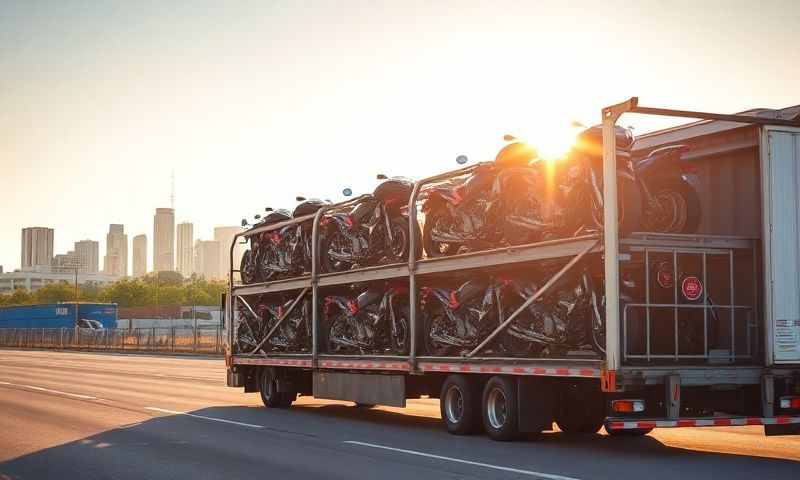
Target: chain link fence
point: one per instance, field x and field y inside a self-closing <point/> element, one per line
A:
<point x="208" y="340"/>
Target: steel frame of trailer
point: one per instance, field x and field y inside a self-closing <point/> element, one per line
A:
<point x="606" y="370"/>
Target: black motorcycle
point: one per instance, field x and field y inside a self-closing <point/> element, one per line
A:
<point x="294" y="334"/>
<point x="375" y="321"/>
<point x="667" y="183"/>
<point x="374" y="231"/>
<point x="288" y="251"/>
<point x="249" y="266"/>
<point x="567" y="318"/>
<point x="456" y="320"/>
<point x="669" y="187"/>
<point x="518" y="199"/>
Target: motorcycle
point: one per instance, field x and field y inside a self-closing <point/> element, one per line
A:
<point x="519" y="199"/>
<point x="288" y="251"/>
<point x="249" y="266"/>
<point x="375" y="321"/>
<point x="294" y="334"/>
<point x="374" y="231"/>
<point x="567" y="318"/>
<point x="669" y="186"/>
<point x="667" y="183"/>
<point x="456" y="320"/>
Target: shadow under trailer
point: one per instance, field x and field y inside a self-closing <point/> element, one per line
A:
<point x="699" y="329"/>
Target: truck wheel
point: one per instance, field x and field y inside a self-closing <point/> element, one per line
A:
<point x="500" y="409"/>
<point x="631" y="432"/>
<point x="268" y="385"/>
<point x="459" y="403"/>
<point x="581" y="410"/>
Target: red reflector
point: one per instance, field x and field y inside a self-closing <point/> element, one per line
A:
<point x="623" y="406"/>
<point x="353" y="307"/>
<point x="454" y="303"/>
<point x="692" y="288"/>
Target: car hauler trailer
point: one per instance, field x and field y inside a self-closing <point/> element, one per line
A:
<point x="708" y="336"/>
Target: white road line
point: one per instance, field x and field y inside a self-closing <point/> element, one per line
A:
<point x="162" y="410"/>
<point x="42" y="389"/>
<point x="548" y="476"/>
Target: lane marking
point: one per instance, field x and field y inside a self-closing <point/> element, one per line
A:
<point x="549" y="476"/>
<point x="42" y="389"/>
<point x="173" y="412"/>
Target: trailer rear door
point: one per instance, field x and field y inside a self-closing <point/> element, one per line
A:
<point x="780" y="157"/>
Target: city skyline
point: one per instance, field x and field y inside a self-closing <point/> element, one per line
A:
<point x="37" y="244"/>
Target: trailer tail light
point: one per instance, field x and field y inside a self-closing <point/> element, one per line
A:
<point x="790" y="403"/>
<point x="627" y="406"/>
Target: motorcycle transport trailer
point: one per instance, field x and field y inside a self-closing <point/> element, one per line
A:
<point x="705" y="333"/>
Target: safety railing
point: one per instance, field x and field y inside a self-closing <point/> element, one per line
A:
<point x="689" y="306"/>
<point x="207" y="340"/>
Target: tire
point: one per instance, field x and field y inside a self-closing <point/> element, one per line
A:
<point x="629" y="207"/>
<point x="460" y="404"/>
<point x="326" y="263"/>
<point x="248" y="268"/>
<point x="401" y="346"/>
<point x="500" y="417"/>
<point x="581" y="411"/>
<point x="680" y="194"/>
<point x="399" y="253"/>
<point x="268" y="254"/>
<point x="268" y="387"/>
<point x="634" y="432"/>
<point x="432" y="248"/>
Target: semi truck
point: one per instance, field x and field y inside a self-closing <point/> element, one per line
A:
<point x="700" y="329"/>
<point x="92" y="316"/>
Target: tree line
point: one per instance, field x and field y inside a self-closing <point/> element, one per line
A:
<point x="166" y="288"/>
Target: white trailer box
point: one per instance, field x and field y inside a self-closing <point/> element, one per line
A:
<point x="780" y="160"/>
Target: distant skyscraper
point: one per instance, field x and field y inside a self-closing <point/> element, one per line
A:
<point x="116" y="260"/>
<point x="164" y="239"/>
<point x="206" y="255"/>
<point x="37" y="248"/>
<point x="67" y="263"/>
<point x="88" y="252"/>
<point x="185" y="249"/>
<point x="224" y="235"/>
<point x="139" y="255"/>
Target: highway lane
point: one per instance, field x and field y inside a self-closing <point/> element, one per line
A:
<point x="81" y="415"/>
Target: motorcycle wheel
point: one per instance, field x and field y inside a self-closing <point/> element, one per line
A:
<point x="268" y="257"/>
<point x="434" y="249"/>
<point x="248" y="269"/>
<point x="629" y="207"/>
<point x="401" y="244"/>
<point x="401" y="340"/>
<point x="677" y="208"/>
<point x="334" y="240"/>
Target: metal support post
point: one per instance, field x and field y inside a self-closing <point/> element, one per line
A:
<point x="767" y="396"/>
<point x="672" y="396"/>
<point x="611" y="234"/>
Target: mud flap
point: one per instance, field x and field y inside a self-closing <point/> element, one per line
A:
<point x="782" y="429"/>
<point x="536" y="404"/>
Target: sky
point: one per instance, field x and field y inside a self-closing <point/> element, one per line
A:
<point x="253" y="103"/>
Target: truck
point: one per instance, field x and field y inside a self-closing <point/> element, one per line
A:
<point x="90" y="316"/>
<point x="709" y="337"/>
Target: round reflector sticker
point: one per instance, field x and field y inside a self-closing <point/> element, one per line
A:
<point x="692" y="288"/>
<point x="664" y="275"/>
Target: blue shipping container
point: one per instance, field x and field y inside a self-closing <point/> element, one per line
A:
<point x="61" y="315"/>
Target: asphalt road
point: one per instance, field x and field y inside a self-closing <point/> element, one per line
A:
<point x="81" y="415"/>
